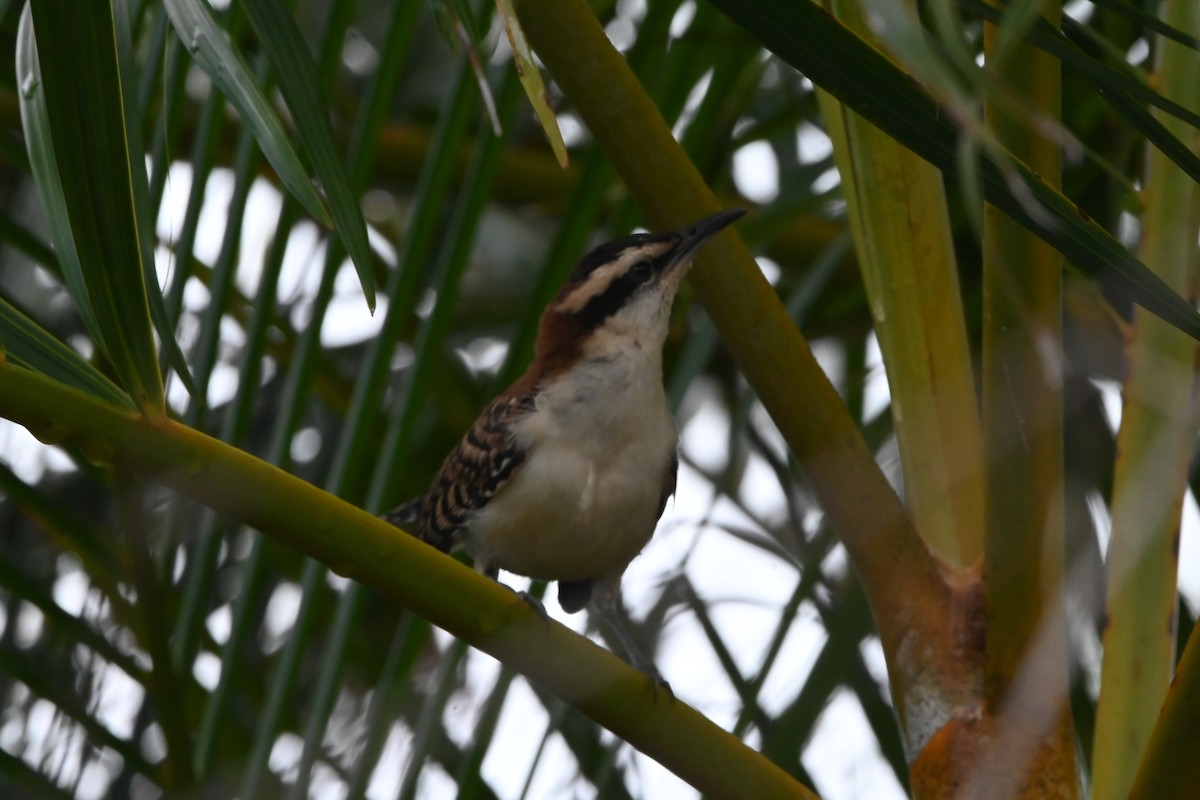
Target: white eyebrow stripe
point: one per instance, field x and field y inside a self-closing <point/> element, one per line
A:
<point x="601" y="278"/>
<point x="596" y="284"/>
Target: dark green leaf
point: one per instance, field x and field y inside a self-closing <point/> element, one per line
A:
<point x="141" y="199"/>
<point x="1118" y="89"/>
<point x="81" y="80"/>
<point x="834" y="58"/>
<point x="31" y="346"/>
<point x="208" y="44"/>
<point x="1148" y="20"/>
<point x="297" y="77"/>
<point x="45" y="173"/>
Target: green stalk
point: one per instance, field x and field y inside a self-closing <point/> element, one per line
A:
<point x="1170" y="767"/>
<point x="1031" y="742"/>
<point x="898" y="215"/>
<point x="1154" y="445"/>
<point x="364" y="548"/>
<point x="907" y="592"/>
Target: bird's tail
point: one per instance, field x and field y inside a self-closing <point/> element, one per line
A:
<point x="409" y="516"/>
<point x="414" y="517"/>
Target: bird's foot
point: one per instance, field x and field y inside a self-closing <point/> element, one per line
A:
<point x="660" y="684"/>
<point x="537" y="605"/>
<point x="646" y="666"/>
<point x="633" y="653"/>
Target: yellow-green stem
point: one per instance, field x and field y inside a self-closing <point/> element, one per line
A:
<point x="1158" y="427"/>
<point x="360" y="546"/>
<point x="898" y="214"/>
<point x="1170" y="767"/>
<point x="1031" y="750"/>
<point x="904" y="583"/>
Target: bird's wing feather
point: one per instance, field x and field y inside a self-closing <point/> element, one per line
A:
<point x="484" y="460"/>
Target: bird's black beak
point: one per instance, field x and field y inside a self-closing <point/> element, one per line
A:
<point x="696" y="234"/>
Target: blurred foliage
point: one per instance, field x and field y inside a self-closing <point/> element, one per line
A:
<point x="151" y="647"/>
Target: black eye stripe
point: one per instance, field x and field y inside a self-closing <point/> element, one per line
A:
<point x="609" y="302"/>
<point x="609" y="275"/>
<point x="605" y="254"/>
<point x="610" y="251"/>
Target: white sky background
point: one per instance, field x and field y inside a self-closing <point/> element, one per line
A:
<point x="744" y="588"/>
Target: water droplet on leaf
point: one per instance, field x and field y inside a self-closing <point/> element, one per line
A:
<point x="29" y="86"/>
<point x="99" y="452"/>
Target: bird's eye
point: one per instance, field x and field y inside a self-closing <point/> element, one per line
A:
<point x="640" y="271"/>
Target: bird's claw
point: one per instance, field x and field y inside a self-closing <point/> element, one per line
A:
<point x="537" y="606"/>
<point x="660" y="683"/>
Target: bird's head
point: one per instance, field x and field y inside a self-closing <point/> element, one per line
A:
<point x="623" y="289"/>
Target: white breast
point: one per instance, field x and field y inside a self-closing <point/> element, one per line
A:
<point x="586" y="499"/>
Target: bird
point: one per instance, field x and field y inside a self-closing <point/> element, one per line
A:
<point x="564" y="476"/>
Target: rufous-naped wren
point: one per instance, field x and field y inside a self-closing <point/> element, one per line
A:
<point x="564" y="476"/>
